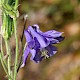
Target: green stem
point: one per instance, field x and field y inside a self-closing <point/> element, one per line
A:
<point x="2" y="54"/>
<point x="16" y="4"/>
<point x="16" y="38"/>
<point x="16" y="55"/>
<point x="4" y="62"/>
<point x="9" y="58"/>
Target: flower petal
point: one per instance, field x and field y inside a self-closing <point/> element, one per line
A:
<point x="36" y="27"/>
<point x="38" y="56"/>
<point x="59" y="38"/>
<point x="29" y="39"/>
<point x="51" y="50"/>
<point x="37" y="44"/>
<point x="25" y="55"/>
<point x="28" y="36"/>
<point x="43" y="41"/>
<point x="52" y="40"/>
<point x="31" y="44"/>
<point x="33" y="53"/>
<point x="52" y="33"/>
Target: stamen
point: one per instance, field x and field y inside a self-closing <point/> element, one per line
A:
<point x="44" y="53"/>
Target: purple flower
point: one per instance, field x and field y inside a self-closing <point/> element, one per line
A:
<point x="39" y="43"/>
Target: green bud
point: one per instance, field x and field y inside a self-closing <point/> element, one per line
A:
<point x="4" y="32"/>
<point x="9" y="10"/>
<point x="7" y="28"/>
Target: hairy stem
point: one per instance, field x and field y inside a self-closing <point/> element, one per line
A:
<point x="16" y="55"/>
<point x="9" y="56"/>
<point x="16" y="38"/>
<point x="3" y="62"/>
<point x="16" y="4"/>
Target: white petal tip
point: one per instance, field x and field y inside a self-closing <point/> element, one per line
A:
<point x="22" y="65"/>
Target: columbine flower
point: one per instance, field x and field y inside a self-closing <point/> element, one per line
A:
<point x="39" y="43"/>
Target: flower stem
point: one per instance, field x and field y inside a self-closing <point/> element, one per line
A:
<point x="16" y="38"/>
<point x="9" y="56"/>
<point x="16" y="4"/>
<point x="4" y="62"/>
<point x="2" y="54"/>
<point x="5" y="67"/>
<point x="16" y="55"/>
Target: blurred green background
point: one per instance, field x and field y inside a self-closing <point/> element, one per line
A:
<point x="61" y="15"/>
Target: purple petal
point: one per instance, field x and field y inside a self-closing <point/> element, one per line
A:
<point x="51" y="50"/>
<point x="29" y="39"/>
<point x="25" y="56"/>
<point x="43" y="41"/>
<point x="52" y="33"/>
<point x="33" y="53"/>
<point x="53" y="41"/>
<point x="59" y="38"/>
<point x="38" y="56"/>
<point x="37" y="44"/>
<point x="28" y="36"/>
<point x="36" y="27"/>
<point x="31" y="44"/>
